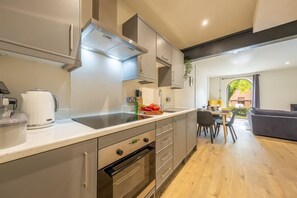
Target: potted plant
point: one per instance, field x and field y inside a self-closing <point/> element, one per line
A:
<point x="188" y="67"/>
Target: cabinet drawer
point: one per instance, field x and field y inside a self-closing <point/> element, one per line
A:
<point x="164" y="126"/>
<point x="164" y="140"/>
<point x="164" y="172"/>
<point x="164" y="156"/>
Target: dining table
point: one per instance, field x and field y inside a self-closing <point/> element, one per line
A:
<point x="224" y="114"/>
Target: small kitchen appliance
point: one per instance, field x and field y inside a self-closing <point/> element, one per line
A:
<point x="40" y="107"/>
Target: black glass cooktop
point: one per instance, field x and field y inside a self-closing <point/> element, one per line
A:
<point x="102" y="121"/>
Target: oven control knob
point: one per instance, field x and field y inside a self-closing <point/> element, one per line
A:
<point x="146" y="140"/>
<point x="120" y="152"/>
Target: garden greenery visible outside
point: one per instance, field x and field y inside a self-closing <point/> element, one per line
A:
<point x="239" y="96"/>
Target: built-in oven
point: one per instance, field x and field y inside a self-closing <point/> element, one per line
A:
<point x="127" y="168"/>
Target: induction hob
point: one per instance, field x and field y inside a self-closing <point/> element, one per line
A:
<point x="102" y="121"/>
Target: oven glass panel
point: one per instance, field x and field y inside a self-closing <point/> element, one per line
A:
<point x="128" y="177"/>
<point x="135" y="177"/>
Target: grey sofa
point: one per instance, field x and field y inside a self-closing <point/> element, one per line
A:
<point x="273" y="123"/>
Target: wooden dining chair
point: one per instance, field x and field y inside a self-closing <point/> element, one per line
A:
<point x="206" y="121"/>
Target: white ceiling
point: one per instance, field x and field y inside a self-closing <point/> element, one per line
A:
<point x="180" y="20"/>
<point x="269" y="57"/>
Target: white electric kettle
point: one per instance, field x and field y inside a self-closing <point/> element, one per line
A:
<point x="40" y="107"/>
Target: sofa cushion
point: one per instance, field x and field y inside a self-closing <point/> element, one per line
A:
<point x="274" y="112"/>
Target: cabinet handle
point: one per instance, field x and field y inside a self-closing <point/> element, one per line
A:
<point x="71" y="37"/>
<point x="166" y="141"/>
<point x="165" y="131"/>
<point x="86" y="169"/>
<point x="140" y="65"/>
<point x="166" y="173"/>
<point x="166" y="157"/>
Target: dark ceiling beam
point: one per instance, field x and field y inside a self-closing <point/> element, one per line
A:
<point x="241" y="40"/>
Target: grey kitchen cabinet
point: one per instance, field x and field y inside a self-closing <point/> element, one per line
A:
<point x="142" y="67"/>
<point x="164" y="150"/>
<point x="180" y="139"/>
<point x="191" y="131"/>
<point x="177" y="68"/>
<point x="173" y="76"/>
<point x="43" y="29"/>
<point x="163" y="51"/>
<point x="68" y="172"/>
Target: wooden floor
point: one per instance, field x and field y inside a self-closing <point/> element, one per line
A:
<point x="253" y="167"/>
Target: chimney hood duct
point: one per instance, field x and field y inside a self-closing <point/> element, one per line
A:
<point x="100" y="35"/>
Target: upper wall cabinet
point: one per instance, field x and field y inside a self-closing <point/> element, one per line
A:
<point x="142" y="67"/>
<point x="163" y="51"/>
<point x="177" y="68"/>
<point x="46" y="29"/>
<point x="173" y="76"/>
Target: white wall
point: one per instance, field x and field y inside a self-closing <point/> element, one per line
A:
<point x="21" y="75"/>
<point x="201" y="87"/>
<point x="255" y="60"/>
<point x="218" y="87"/>
<point x="278" y="89"/>
<point x="96" y="87"/>
<point x="186" y="97"/>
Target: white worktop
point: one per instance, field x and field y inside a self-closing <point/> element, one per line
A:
<point x="67" y="132"/>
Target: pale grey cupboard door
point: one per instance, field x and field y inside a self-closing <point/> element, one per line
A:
<point x="163" y="50"/>
<point x="177" y="68"/>
<point x="143" y="67"/>
<point x="59" y="173"/>
<point x="44" y="25"/>
<point x="147" y="38"/>
<point x="191" y="131"/>
<point x="180" y="139"/>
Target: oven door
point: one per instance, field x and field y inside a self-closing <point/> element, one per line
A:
<point x="131" y="176"/>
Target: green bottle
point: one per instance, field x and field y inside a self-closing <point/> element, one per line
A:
<point x="136" y="106"/>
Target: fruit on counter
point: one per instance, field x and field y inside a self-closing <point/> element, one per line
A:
<point x="146" y="109"/>
<point x="151" y="107"/>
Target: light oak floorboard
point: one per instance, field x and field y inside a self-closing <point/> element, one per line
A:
<point x="253" y="167"/>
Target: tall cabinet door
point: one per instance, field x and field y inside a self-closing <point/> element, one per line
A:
<point x="177" y="68"/>
<point x="68" y="172"/>
<point x="180" y="139"/>
<point x="143" y="67"/>
<point x="163" y="50"/>
<point x="191" y="131"/>
<point x="44" y="26"/>
<point x="147" y="38"/>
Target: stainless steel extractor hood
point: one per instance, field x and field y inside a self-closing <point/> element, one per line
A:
<point x="98" y="35"/>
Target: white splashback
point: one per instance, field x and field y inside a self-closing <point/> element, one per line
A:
<point x="21" y="75"/>
<point x="96" y="87"/>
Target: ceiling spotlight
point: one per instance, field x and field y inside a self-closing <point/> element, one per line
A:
<point x="204" y="22"/>
<point x="288" y="62"/>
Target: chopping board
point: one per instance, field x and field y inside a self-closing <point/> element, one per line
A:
<point x="153" y="112"/>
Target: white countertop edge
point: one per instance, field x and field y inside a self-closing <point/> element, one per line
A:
<point x="31" y="148"/>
